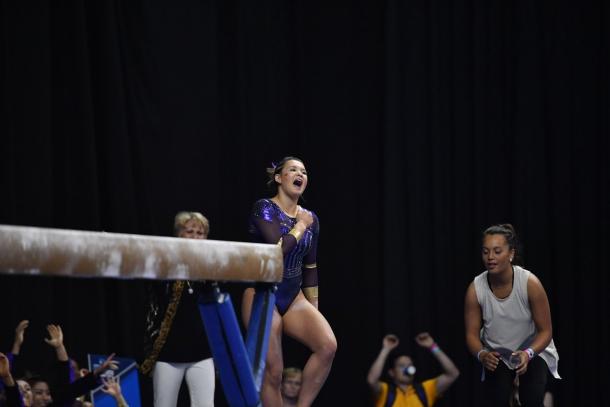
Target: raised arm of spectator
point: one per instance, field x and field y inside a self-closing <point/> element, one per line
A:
<point x="85" y="384"/>
<point x="56" y="340"/>
<point x="13" y="399"/>
<point x="15" y="360"/>
<point x="113" y="388"/>
<point x="450" y="370"/>
<point x="19" y="336"/>
<point x="59" y="376"/>
<point x="388" y="344"/>
<point x="108" y="364"/>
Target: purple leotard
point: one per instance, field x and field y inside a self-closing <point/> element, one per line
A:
<point x="269" y="224"/>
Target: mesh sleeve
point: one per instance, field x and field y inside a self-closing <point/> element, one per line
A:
<point x="310" y="268"/>
<point x="267" y="225"/>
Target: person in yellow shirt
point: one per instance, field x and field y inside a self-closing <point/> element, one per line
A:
<point x="403" y="391"/>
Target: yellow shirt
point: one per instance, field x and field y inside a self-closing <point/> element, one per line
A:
<point x="409" y="397"/>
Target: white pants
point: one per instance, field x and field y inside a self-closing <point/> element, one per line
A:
<point x="200" y="379"/>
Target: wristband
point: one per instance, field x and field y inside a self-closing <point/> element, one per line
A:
<point x="311" y="293"/>
<point x="479" y="353"/>
<point x="296" y="233"/>
<point x="530" y="353"/>
<point x="434" y="348"/>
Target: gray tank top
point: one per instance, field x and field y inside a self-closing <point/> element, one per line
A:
<point x="507" y="322"/>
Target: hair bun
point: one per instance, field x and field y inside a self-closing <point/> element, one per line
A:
<point x="509" y="227"/>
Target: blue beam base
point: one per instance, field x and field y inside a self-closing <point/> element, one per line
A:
<point x="241" y="368"/>
<point x="259" y="327"/>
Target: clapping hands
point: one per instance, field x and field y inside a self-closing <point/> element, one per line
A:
<point x="56" y="336"/>
<point x="390" y="341"/>
<point x="109" y="363"/>
<point x="424" y="340"/>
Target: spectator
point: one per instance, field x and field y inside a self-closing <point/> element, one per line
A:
<point x="403" y="391"/>
<point x="59" y="391"/>
<point x="291" y="385"/>
<point x="11" y="392"/>
<point x="176" y="343"/>
<point x="26" y="392"/>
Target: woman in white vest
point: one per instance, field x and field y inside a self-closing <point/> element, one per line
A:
<point x="508" y="323"/>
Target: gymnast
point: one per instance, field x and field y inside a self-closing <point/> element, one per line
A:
<point x="280" y="220"/>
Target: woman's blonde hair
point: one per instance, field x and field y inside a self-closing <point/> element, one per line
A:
<point x="183" y="217"/>
<point x="291" y="372"/>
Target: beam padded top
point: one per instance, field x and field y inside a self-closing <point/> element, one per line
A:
<point x="73" y="253"/>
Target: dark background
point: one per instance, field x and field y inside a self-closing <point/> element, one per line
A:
<point x="420" y="122"/>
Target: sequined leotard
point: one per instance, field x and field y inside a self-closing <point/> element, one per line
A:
<point x="269" y="224"/>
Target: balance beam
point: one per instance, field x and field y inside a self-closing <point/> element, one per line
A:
<point x="73" y="253"/>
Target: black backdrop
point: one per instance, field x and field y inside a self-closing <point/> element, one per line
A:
<point x="421" y="122"/>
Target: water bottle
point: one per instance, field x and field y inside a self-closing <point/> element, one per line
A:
<point x="409" y="370"/>
<point x="514" y="360"/>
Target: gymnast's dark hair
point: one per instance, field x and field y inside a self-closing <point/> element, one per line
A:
<point x="276" y="168"/>
<point x="508" y="231"/>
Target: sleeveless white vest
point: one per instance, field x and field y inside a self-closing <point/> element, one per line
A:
<point x="507" y="323"/>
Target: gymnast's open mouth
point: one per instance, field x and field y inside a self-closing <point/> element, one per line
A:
<point x="298" y="182"/>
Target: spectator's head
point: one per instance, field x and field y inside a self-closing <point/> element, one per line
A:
<point x="41" y="394"/>
<point x="191" y="225"/>
<point x="291" y="383"/>
<point x="26" y="392"/>
<point x="402" y="370"/>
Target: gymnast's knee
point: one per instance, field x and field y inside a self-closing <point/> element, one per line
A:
<point x="327" y="350"/>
